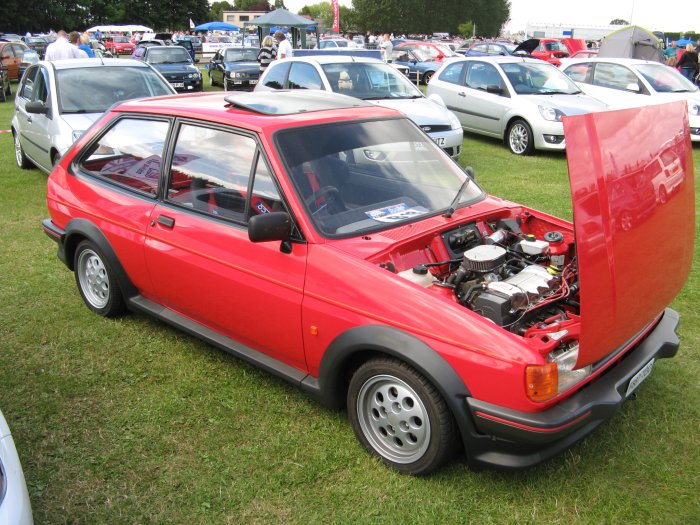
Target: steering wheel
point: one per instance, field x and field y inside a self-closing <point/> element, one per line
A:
<point x="327" y="196"/>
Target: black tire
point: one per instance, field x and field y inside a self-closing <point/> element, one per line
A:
<point x="96" y="281"/>
<point x="3" y="94"/>
<point x="211" y="80"/>
<point x="427" y="76"/>
<point x="400" y="417"/>
<point x="520" y="139"/>
<point x="226" y="88"/>
<point x="20" y="158"/>
<point x="9" y="88"/>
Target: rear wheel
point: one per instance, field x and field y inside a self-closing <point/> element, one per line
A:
<point x="520" y="139"/>
<point x="399" y="416"/>
<point x="427" y="76"/>
<point x="96" y="281"/>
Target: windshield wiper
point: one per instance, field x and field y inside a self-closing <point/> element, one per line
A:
<point x="453" y="206"/>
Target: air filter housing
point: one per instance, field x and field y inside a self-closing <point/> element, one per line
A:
<point x="484" y="258"/>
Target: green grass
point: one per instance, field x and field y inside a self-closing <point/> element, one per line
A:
<point x="131" y="421"/>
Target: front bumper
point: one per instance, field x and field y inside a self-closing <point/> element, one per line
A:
<point x="512" y="439"/>
<point x="186" y="85"/>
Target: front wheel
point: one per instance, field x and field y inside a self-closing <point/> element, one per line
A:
<point x="520" y="139"/>
<point x="399" y="416"/>
<point x="20" y="158"/>
<point x="96" y="281"/>
<point x="427" y="76"/>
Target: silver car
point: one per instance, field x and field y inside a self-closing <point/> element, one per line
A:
<point x="15" y="507"/>
<point x="630" y="82"/>
<point x="57" y="101"/>
<point x="372" y="80"/>
<point x="519" y="100"/>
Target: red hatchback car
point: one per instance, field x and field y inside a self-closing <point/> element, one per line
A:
<point x="332" y="243"/>
<point x="551" y="50"/>
<point x="118" y="45"/>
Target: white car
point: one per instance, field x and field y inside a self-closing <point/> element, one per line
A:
<point x="519" y="100"/>
<point x="15" y="507"/>
<point x="57" y="101"/>
<point x="629" y="82"/>
<point x="372" y="80"/>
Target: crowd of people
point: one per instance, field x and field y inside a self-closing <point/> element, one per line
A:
<point x="684" y="58"/>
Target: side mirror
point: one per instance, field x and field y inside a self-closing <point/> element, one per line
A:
<point x="196" y="61"/>
<point x="496" y="90"/>
<point x="633" y="87"/>
<point x="275" y="226"/>
<point x="36" y="107"/>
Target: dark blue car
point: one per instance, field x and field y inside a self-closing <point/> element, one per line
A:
<point x="420" y="67"/>
<point x="235" y="68"/>
<point x="176" y="65"/>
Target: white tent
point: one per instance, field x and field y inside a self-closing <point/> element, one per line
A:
<point x="130" y="28"/>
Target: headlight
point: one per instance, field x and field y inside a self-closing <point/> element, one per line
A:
<point x="543" y="382"/>
<point x="551" y="114"/>
<point x="454" y="121"/>
<point x="77" y="134"/>
<point x="693" y="109"/>
<point x="193" y="75"/>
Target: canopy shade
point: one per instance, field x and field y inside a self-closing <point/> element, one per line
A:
<point x="129" y="28"/>
<point x="216" y="26"/>
<point x="279" y="17"/>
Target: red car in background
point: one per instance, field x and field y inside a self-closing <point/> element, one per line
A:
<point x="118" y="45"/>
<point x="434" y="50"/>
<point x="331" y="242"/>
<point x="551" y="50"/>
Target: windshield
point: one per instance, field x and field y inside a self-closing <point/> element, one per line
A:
<point x="120" y="39"/>
<point x="424" y="53"/>
<point x="369" y="81"/>
<point x="94" y="90"/>
<point x="665" y="79"/>
<point x="529" y="78"/>
<point x="555" y="46"/>
<point x="241" y="55"/>
<point x="361" y="177"/>
<point x="167" y="56"/>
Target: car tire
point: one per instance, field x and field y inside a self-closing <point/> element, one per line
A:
<point x="663" y="195"/>
<point x="400" y="417"/>
<point x="96" y="281"/>
<point x="20" y="158"/>
<point x="9" y="88"/>
<point x="3" y="94"/>
<point x="520" y="139"/>
<point x="226" y="88"/>
<point x="427" y="76"/>
<point x="211" y="80"/>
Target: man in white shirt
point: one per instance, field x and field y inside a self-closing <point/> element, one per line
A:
<point x="61" y="49"/>
<point x="284" y="48"/>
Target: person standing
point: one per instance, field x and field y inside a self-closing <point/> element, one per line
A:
<point x="688" y="63"/>
<point x="387" y="48"/>
<point x="85" y="45"/>
<point x="670" y="53"/>
<point x="284" y="48"/>
<point x="62" y="49"/>
<point x="267" y="53"/>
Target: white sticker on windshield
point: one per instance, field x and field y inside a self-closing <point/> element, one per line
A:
<point x="395" y="213"/>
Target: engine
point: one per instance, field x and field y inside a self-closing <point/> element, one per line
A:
<point x="514" y="279"/>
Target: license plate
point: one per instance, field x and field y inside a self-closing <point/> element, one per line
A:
<point x="237" y="82"/>
<point x="639" y="377"/>
<point x="440" y="141"/>
<point x="253" y="82"/>
<point x="178" y="84"/>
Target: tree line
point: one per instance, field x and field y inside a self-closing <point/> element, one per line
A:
<point x="483" y="17"/>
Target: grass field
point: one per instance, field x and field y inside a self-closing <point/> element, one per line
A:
<point x="130" y="421"/>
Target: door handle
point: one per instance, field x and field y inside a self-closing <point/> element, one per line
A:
<point x="166" y="221"/>
<point x="462" y="94"/>
<point x="29" y="119"/>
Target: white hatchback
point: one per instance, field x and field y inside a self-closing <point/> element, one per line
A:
<point x="629" y="82"/>
<point x="372" y="80"/>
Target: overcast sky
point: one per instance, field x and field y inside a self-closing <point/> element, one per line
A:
<point x="652" y="14"/>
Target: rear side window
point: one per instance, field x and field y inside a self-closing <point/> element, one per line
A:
<point x="130" y="154"/>
<point x="453" y="73"/>
<point x="304" y="76"/>
<point x="613" y="76"/>
<point x="276" y="75"/>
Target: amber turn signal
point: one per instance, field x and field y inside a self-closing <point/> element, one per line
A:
<point x="541" y="381"/>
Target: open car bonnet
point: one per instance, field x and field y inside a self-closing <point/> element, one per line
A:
<point x="527" y="47"/>
<point x="634" y="227"/>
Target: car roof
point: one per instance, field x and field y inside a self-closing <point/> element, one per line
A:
<point x="334" y="59"/>
<point x="261" y="109"/>
<point x="80" y="63"/>
<point x="624" y="61"/>
<point x="500" y="59"/>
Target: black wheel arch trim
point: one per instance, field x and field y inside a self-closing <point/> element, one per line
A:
<point x="79" y="229"/>
<point x="330" y="388"/>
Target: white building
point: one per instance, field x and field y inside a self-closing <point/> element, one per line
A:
<point x="559" y="30"/>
